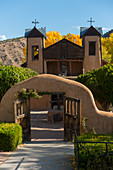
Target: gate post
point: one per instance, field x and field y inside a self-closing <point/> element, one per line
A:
<point x="78" y="128"/>
<point x="64" y="101"/>
<point x="22" y="116"/>
<point x="29" y="118"/>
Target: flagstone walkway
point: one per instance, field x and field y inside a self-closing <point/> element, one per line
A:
<point x="41" y="156"/>
<point x="46" y="149"/>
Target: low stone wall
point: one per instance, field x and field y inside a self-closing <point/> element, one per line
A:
<point x="101" y="121"/>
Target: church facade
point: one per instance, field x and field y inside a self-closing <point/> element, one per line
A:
<point x="64" y="57"/>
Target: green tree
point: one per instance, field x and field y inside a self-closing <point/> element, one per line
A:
<point x="100" y="82"/>
<point x="10" y="75"/>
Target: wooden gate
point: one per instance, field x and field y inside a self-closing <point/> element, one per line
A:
<point x="22" y="117"/>
<point x="72" y="118"/>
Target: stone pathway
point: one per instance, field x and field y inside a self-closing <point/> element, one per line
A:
<point x="41" y="156"/>
<point x="42" y="130"/>
<point x="4" y="156"/>
<point x="46" y="149"/>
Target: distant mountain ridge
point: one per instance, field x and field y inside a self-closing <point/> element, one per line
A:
<point x="11" y="51"/>
<point x="107" y="34"/>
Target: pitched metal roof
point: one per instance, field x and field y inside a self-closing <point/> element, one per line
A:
<point x="83" y="30"/>
<point x="41" y="30"/>
<point x="27" y="31"/>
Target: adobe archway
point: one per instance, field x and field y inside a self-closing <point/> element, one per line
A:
<point x="101" y="121"/>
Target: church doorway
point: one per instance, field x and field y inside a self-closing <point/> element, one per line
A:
<point x="64" y="67"/>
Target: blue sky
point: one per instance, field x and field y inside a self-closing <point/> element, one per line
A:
<point x="65" y="16"/>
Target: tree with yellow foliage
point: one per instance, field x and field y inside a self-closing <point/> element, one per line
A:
<point x="73" y="38"/>
<point x="23" y="59"/>
<point x="107" y="48"/>
<point x="53" y="37"/>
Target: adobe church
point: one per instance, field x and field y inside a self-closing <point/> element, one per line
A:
<point x="64" y="57"/>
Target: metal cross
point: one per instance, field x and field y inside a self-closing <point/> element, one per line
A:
<point x="91" y="21"/>
<point x="35" y="22"/>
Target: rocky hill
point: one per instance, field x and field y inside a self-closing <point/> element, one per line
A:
<point x="11" y="51"/>
<point x="107" y="34"/>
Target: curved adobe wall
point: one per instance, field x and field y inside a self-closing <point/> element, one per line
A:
<point x="100" y="120"/>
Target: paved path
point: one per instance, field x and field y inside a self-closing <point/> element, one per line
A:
<point x="46" y="149"/>
<point x="42" y="130"/>
<point x="41" y="156"/>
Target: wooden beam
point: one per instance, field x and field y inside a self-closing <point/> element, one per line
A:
<point x="70" y="68"/>
<point x="55" y="60"/>
<point x="58" y="66"/>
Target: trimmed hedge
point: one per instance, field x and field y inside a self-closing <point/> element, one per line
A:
<point x="11" y="75"/>
<point x="89" y="155"/>
<point x="10" y="136"/>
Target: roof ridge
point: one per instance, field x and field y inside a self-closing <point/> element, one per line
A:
<point x="62" y="40"/>
<point x="83" y="30"/>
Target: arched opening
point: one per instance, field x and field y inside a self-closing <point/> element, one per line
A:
<point x="47" y="117"/>
<point x="55" y="121"/>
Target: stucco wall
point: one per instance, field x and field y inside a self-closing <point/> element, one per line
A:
<point x="92" y="62"/>
<point x="100" y="120"/>
<point x="42" y="103"/>
<point x="36" y="65"/>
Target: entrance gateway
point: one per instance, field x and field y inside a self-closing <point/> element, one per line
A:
<point x="71" y="115"/>
<point x="101" y="121"/>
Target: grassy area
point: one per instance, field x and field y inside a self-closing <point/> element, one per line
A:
<point x="89" y="153"/>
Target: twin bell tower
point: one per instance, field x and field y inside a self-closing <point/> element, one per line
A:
<point x="91" y="44"/>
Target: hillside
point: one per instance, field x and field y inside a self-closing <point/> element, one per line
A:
<point x="11" y="51"/>
<point x="107" y="34"/>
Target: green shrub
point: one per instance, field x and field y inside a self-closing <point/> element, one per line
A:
<point x="89" y="154"/>
<point x="100" y="82"/>
<point x="10" y="136"/>
<point x="10" y="75"/>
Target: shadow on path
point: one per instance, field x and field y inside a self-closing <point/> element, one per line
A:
<point x="46" y="149"/>
<point x="41" y="129"/>
<point x="42" y="155"/>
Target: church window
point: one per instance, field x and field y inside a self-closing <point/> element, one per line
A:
<point x="35" y="52"/>
<point x="92" y="48"/>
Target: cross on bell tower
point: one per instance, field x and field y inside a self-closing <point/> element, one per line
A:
<point x="35" y="22"/>
<point x="91" y="21"/>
